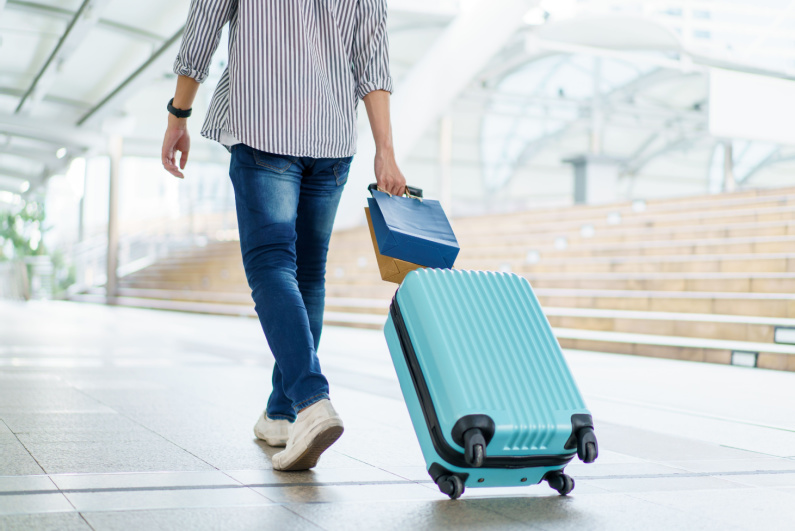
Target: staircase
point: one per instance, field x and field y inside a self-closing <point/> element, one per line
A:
<point x="707" y="278"/>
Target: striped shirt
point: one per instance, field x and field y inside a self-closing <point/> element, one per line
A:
<point x="296" y="72"/>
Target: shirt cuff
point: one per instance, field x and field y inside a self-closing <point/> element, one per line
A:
<point x="182" y="69"/>
<point x="366" y="88"/>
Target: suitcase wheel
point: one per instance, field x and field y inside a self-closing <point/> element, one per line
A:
<point x="474" y="447"/>
<point x="477" y="456"/>
<point x="451" y="485"/>
<point x="587" y="447"/>
<point x="561" y="482"/>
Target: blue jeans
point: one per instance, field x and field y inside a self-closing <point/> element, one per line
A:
<point x="285" y="211"/>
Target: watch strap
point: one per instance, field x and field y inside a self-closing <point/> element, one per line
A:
<point x="179" y="113"/>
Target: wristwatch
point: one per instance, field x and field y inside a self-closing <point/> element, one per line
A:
<point x="179" y="113"/>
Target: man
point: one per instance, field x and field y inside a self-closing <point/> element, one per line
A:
<point x="286" y="109"/>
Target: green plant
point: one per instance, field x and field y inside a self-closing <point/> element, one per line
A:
<point x="65" y="274"/>
<point x="21" y="230"/>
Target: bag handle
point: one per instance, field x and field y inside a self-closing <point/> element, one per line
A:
<point x="411" y="191"/>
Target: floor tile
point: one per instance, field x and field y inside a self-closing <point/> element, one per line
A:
<point x="318" y="476"/>
<point x="596" y="512"/>
<point x="65" y="421"/>
<point x="59" y="399"/>
<point x="780" y="478"/>
<point x="400" y="515"/>
<point x="15" y="460"/>
<point x="44" y="522"/>
<point x="660" y="448"/>
<point x="538" y="490"/>
<point x="735" y="465"/>
<point x="141" y="480"/>
<point x="349" y="493"/>
<point x="659" y="484"/>
<point x="131" y="434"/>
<point x="748" y="508"/>
<point x="598" y="469"/>
<point x="165" y="498"/>
<point x="233" y="455"/>
<point x="136" y="456"/>
<point x="265" y="518"/>
<point x="26" y="483"/>
<point x="412" y="473"/>
<point x="34" y="503"/>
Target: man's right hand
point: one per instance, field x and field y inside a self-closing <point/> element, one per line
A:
<point x="176" y="139"/>
<point x="388" y="175"/>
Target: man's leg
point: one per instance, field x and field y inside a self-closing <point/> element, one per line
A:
<point x="317" y="426"/>
<point x="267" y="190"/>
<point x="321" y="189"/>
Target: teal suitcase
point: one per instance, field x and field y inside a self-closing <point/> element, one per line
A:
<point x="491" y="398"/>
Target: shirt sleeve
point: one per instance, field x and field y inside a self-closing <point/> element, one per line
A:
<point x="200" y="39"/>
<point x="371" y="49"/>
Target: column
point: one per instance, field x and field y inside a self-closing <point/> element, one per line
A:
<point x="115" y="151"/>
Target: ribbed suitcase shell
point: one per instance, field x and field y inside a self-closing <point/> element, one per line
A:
<point x="485" y="347"/>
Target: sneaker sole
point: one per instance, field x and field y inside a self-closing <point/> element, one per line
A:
<point x="276" y="443"/>
<point x="319" y="444"/>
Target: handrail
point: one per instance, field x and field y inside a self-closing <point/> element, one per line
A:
<point x="145" y="244"/>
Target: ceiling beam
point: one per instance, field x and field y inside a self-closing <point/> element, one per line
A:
<point x="55" y="133"/>
<point x="17" y="174"/>
<point x="44" y="156"/>
<point x="67" y="102"/>
<point x="67" y="14"/>
<point x="84" y="19"/>
<point x="158" y="62"/>
<point x="684" y="141"/>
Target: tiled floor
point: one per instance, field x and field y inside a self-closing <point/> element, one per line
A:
<point x="115" y="418"/>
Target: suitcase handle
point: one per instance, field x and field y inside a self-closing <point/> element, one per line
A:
<point x="411" y="191"/>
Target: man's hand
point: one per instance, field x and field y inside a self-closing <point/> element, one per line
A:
<point x="176" y="139"/>
<point x="387" y="173"/>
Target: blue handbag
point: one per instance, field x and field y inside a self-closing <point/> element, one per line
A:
<point x="412" y="229"/>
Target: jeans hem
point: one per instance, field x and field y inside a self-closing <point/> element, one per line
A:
<point x="278" y="416"/>
<point x="309" y="401"/>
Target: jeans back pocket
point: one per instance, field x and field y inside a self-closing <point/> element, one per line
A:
<point x="272" y="161"/>
<point x="341" y="170"/>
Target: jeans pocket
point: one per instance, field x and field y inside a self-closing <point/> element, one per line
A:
<point x="341" y="169"/>
<point x="272" y="161"/>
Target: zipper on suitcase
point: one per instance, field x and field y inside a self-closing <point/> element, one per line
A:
<point x="445" y="451"/>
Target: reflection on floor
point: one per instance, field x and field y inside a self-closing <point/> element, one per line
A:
<point x="117" y="418"/>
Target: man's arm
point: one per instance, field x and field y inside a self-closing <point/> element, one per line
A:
<point x="199" y="41"/>
<point x="177" y="137"/>
<point x="373" y="86"/>
<point x="387" y="173"/>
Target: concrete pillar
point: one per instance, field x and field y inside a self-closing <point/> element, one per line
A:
<point x="597" y="109"/>
<point x="445" y="163"/>
<point x="111" y="286"/>
<point x="729" y="184"/>
<point x="81" y="214"/>
<point x="81" y="219"/>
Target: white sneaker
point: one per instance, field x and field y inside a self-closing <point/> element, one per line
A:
<point x="274" y="432"/>
<point x="316" y="428"/>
